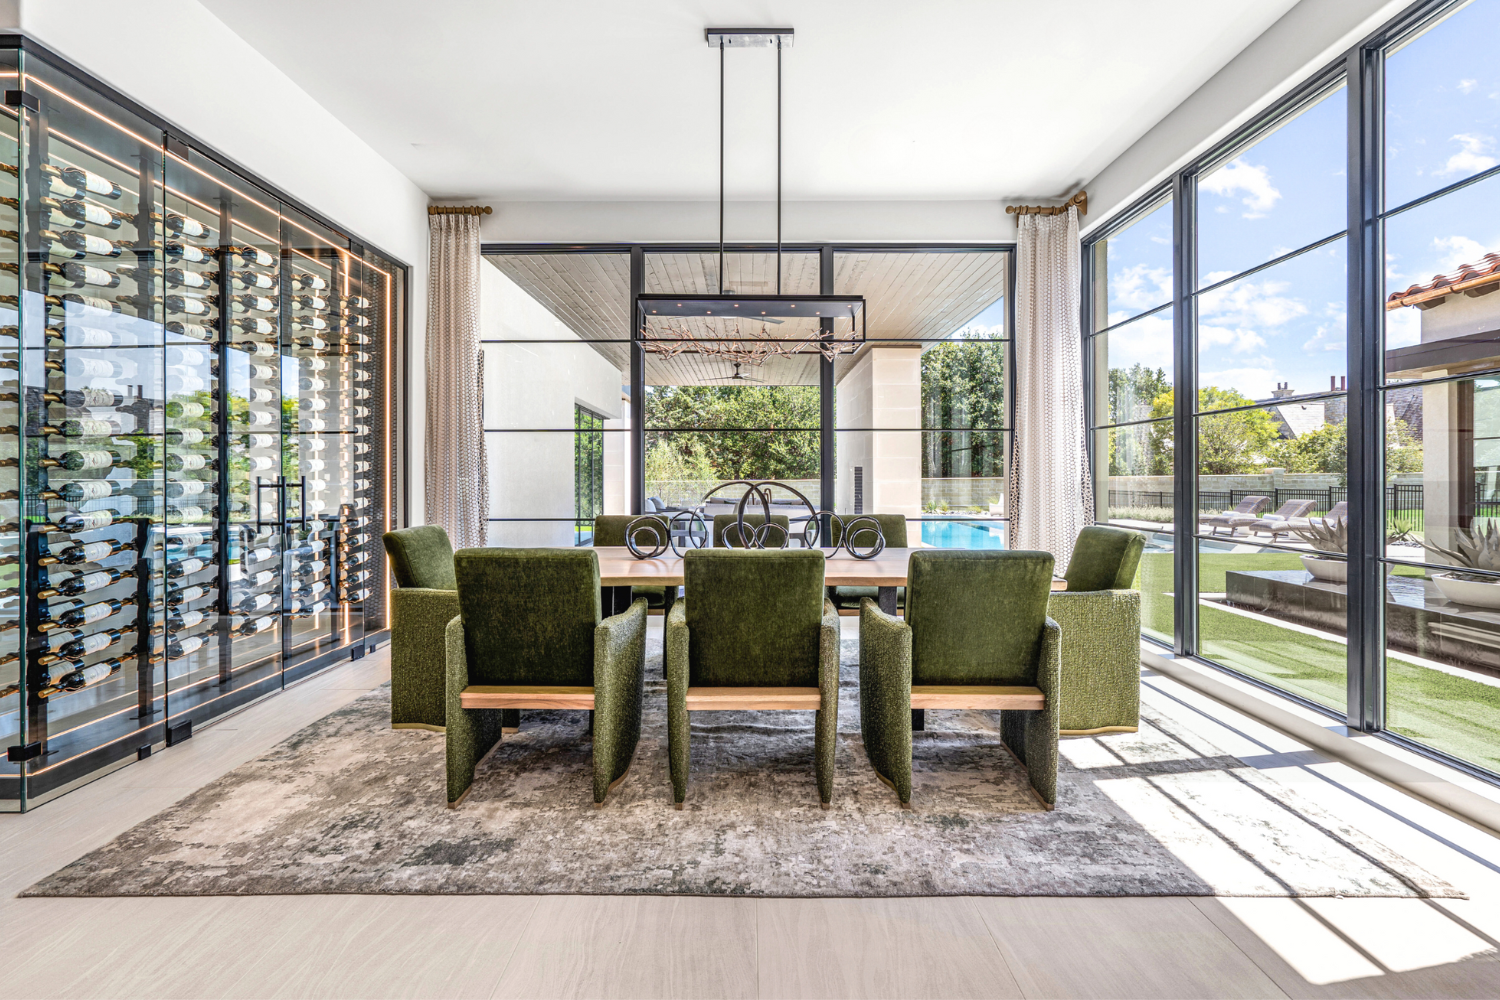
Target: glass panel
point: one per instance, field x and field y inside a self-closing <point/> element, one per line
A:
<point x="1133" y="269"/>
<point x="224" y="362"/>
<point x="13" y="696"/>
<point x="323" y="418"/>
<point x="1142" y="390"/>
<point x="556" y="481"/>
<point x="962" y="470"/>
<point x="1442" y="499"/>
<point x="1137" y="462"/>
<point x="1155" y="581"/>
<point x="1442" y="118"/>
<point x="682" y="466"/>
<point x="1277" y="334"/>
<point x="1285" y="191"/>
<point x="588" y="471"/>
<point x="1431" y="249"/>
<point x="960" y="533"/>
<point x="92" y="381"/>
<point x="1262" y="612"/>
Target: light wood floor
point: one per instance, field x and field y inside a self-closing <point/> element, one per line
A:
<point x="602" y="946"/>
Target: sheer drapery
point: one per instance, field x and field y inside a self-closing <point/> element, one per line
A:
<point x="457" y="475"/>
<point x="1051" y="498"/>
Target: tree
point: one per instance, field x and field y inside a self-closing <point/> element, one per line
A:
<point x="710" y="421"/>
<point x="1403" y="449"/>
<point x="963" y="386"/>
<point x="1230" y="443"/>
<point x="1134" y="389"/>
<point x="1325" y="450"/>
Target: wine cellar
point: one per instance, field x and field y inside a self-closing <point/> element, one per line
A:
<point x="196" y="434"/>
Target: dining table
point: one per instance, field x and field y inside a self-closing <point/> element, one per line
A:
<point x="619" y="571"/>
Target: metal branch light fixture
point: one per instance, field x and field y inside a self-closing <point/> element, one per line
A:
<point x="736" y="328"/>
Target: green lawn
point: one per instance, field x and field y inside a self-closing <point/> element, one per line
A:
<point x="1452" y="714"/>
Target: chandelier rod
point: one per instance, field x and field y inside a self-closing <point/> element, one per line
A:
<point x="721" y="165"/>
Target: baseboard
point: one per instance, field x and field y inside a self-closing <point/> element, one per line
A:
<point x="1455" y="800"/>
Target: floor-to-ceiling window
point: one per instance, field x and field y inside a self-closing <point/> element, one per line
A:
<point x="588" y="471"/>
<point x="1129" y="326"/>
<point x="1441" y="395"/>
<point x="1254" y="272"/>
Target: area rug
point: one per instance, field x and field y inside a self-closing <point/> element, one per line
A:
<point x="349" y="805"/>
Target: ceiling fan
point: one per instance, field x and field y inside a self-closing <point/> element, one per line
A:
<point x="738" y="376"/>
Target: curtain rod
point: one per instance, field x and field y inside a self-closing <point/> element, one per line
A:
<point x="459" y="210"/>
<point x="1081" y="199"/>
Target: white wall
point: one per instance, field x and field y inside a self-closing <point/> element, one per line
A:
<point x="1305" y="39"/>
<point x="294" y="143"/>
<point x="535" y="385"/>
<point x="883" y="389"/>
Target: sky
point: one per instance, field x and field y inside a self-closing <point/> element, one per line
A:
<point x="1286" y="324"/>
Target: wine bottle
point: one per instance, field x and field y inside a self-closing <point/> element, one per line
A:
<point x="313" y="302"/>
<point x="83" y="427"/>
<point x="260" y="440"/>
<point x="86" y="615"/>
<point x="82" y="552"/>
<point x="354" y="596"/>
<point x="179" y="381"/>
<point x="313" y="403"/>
<point x="181" y="621"/>
<point x="361" y="393"/>
<point x="194" y="331"/>
<point x="312" y="364"/>
<point x="254" y="626"/>
<point x="187" y="644"/>
<point x="188" y="513"/>
<point x="190" y="356"/>
<point x="83" y="180"/>
<point x="186" y="567"/>
<point x="260" y="418"/>
<point x="258" y="348"/>
<point x="82" y="677"/>
<point x="252" y="325"/>
<point x="359" y="467"/>
<point x="254" y="602"/>
<point x="80" y="490"/>
<point x="184" y="302"/>
<point x="189" y="253"/>
<point x="309" y="323"/>
<point x="248" y="280"/>
<point x="178" y="277"/>
<point x="184" y="409"/>
<point x="82" y="367"/>
<point x="84" y="583"/>
<point x="312" y="384"/>
<point x="259" y="554"/>
<point x="315" y="609"/>
<point x="92" y="643"/>
<point x="311" y="343"/>
<point x="255" y="394"/>
<point x="257" y="303"/>
<point x="78" y="244"/>
<point x="185" y="435"/>
<point x="188" y="539"/>
<point x="178" y="488"/>
<point x="186" y="225"/>
<point x="90" y="336"/>
<point x="74" y="522"/>
<point x="251" y="255"/>
<point x="74" y="212"/>
<point x="187" y="595"/>
<point x="312" y="425"/>
<point x="304" y="282"/>
<point x="85" y="275"/>
<point x="188" y="462"/>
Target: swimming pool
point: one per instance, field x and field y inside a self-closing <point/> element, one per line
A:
<point x="964" y="534"/>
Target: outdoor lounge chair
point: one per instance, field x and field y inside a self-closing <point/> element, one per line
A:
<point x="1248" y="507"/>
<point x="1338" y="512"/>
<point x="1274" y="524"/>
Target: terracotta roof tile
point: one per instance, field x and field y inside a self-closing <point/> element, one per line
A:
<point x="1486" y="272"/>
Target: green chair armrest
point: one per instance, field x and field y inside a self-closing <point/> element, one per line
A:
<point x="1101" y="659"/>
<point x="885" y="694"/>
<point x="827" y="721"/>
<point x="419" y="620"/>
<point x="677" y="684"/>
<point x="1032" y="736"/>
<point x="470" y="732"/>
<point x="619" y="692"/>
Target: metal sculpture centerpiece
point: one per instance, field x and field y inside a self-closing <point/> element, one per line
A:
<point x="860" y="535"/>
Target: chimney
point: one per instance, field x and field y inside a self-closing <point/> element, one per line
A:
<point x="1283" y="390"/>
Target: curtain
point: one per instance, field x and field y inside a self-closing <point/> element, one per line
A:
<point x="457" y="485"/>
<point x="1051" y="494"/>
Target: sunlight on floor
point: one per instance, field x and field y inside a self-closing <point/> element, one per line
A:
<point x="1401" y="934"/>
<point x="1316" y="953"/>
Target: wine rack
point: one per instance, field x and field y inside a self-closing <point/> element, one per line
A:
<point x="194" y="435"/>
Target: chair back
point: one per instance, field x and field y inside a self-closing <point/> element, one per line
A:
<point x="1339" y="512"/>
<point x="529" y="614"/>
<point x="609" y="529"/>
<point x="976" y="614"/>
<point x="420" y="557"/>
<point x="753" y="616"/>
<point x="1104" y="558"/>
<point x="1252" y="505"/>
<point x="1293" y="508"/>
<point x="727" y="532"/>
<point x="892" y="526"/>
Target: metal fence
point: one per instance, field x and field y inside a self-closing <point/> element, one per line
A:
<point x="1404" y="502"/>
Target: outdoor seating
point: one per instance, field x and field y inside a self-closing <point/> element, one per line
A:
<point x="609" y="529"/>
<point x="976" y="636"/>
<point x="727" y="532"/>
<point x="1338" y="512"/>
<point x="752" y="632"/>
<point x="1276" y="524"/>
<point x="1251" y="506"/>
<point x="1100" y="615"/>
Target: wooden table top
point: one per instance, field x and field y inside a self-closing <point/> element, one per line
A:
<point x="618" y="568"/>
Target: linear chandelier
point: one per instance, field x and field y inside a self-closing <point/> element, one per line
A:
<point x="735" y="328"/>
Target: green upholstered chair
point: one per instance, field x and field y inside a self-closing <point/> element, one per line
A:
<point x="893" y="528"/>
<point x="976" y="635"/>
<point x="609" y="529"/>
<point x="726" y="532"/>
<point x="424" y="601"/>
<point x="1101" y="617"/>
<point x="529" y="636"/>
<point x="752" y="632"/>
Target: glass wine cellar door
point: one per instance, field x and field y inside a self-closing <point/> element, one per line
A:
<point x="194" y="435"/>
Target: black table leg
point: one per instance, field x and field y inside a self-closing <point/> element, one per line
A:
<point x="918" y="719"/>
<point x="615" y="600"/>
<point x="887" y="600"/>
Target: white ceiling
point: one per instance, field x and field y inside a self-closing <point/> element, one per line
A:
<point x="580" y="100"/>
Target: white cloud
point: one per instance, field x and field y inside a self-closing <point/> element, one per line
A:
<point x="1256" y="383"/>
<point x="1467" y="86"/>
<point x="1251" y="304"/>
<point x="1458" y="251"/>
<point x="1236" y="177"/>
<point x="1146" y="342"/>
<point x="1473" y="157"/>
<point x="1140" y="287"/>
<point x="1238" y="339"/>
<point x="1403" y="327"/>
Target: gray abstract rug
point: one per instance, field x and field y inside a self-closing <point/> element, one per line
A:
<point x="349" y="805"/>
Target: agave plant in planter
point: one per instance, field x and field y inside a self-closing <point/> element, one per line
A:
<point x="1326" y="536"/>
<point x="1474" y="549"/>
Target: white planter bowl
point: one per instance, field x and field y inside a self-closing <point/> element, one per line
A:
<point x="1475" y="593"/>
<point x="1327" y="570"/>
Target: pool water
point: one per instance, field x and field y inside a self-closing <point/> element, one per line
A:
<point x="963" y="535"/>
